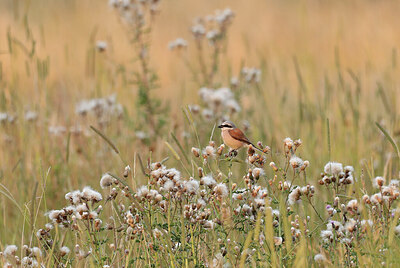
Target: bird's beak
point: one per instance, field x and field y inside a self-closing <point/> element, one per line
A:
<point x="220" y="126"/>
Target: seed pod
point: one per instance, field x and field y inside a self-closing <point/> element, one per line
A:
<point x="196" y="151"/>
<point x="234" y="186"/>
<point x="201" y="174"/>
<point x="220" y="149"/>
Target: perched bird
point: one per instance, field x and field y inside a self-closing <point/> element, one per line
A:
<point x="233" y="137"/>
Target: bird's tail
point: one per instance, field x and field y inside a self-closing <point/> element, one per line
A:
<point x="257" y="148"/>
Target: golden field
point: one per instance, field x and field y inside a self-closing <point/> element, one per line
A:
<point x="329" y="76"/>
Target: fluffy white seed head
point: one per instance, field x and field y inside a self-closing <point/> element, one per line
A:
<point x="10" y="250"/>
<point x="208" y="181"/>
<point x="192" y="186"/>
<point x="221" y="190"/>
<point x="333" y="168"/>
<point x="74" y="197"/>
<point x="64" y="250"/>
<point x="379" y="181"/>
<point x="319" y="258"/>
<point x="106" y="181"/>
<point x="294" y="196"/>
<point x="91" y="195"/>
<point x="296" y="162"/>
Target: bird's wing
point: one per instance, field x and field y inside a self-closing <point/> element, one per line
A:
<point x="239" y="135"/>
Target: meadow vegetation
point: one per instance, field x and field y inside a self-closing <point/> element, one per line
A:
<point x="111" y="156"/>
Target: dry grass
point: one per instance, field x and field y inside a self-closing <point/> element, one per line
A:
<point x="323" y="63"/>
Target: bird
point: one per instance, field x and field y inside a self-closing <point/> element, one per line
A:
<point x="233" y="137"/>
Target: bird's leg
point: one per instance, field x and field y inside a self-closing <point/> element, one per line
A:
<point x="232" y="153"/>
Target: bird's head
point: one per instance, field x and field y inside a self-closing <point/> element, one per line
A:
<point x="227" y="125"/>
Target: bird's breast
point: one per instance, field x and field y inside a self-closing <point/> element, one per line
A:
<point x="230" y="141"/>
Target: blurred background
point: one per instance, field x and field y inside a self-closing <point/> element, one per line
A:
<point x="323" y="63"/>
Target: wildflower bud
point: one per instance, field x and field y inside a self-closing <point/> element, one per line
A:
<point x="288" y="143"/>
<point x="273" y="165"/>
<point x="297" y="143"/>
<point x="327" y="180"/>
<point x="112" y="247"/>
<point x="285" y="186"/>
<point x="219" y="176"/>
<point x="266" y="149"/>
<point x="157" y="165"/>
<point x="97" y="224"/>
<point x="278" y="241"/>
<point x="158" y="198"/>
<point x="220" y="149"/>
<point x="252" y="159"/>
<point x="256" y="173"/>
<point x="366" y="199"/>
<point x="305" y="190"/>
<point x="234" y="186"/>
<point x="305" y="165"/>
<point x="336" y="202"/>
<point x="126" y="171"/>
<point x="201" y="174"/>
<point x="196" y="151"/>
<point x="379" y="181"/>
<point x="64" y="251"/>
<point x="280" y="187"/>
<point x="321" y="182"/>
<point x="212" y="143"/>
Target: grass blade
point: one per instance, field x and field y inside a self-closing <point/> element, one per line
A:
<point x="180" y="147"/>
<point x="68" y="144"/>
<point x="173" y="151"/>
<point x="390" y="139"/>
<point x="105" y="138"/>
